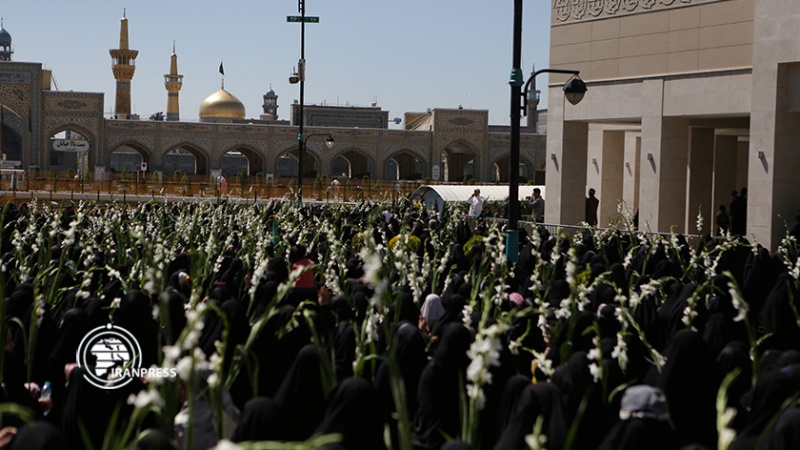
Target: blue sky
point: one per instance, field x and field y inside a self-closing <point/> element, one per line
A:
<point x="410" y="55"/>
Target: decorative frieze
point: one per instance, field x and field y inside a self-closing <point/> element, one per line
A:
<point x="23" y="78"/>
<point x="171" y="142"/>
<point x="420" y="151"/>
<point x="566" y="11"/>
<point x="229" y="145"/>
<point x="142" y="143"/>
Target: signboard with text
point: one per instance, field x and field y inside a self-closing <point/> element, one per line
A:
<point x="70" y="145"/>
<point x="309" y="19"/>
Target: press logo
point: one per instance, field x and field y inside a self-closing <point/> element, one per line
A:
<point x="112" y="358"/>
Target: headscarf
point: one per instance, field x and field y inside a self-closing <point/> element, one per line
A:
<point x="301" y="396"/>
<point x="432" y="309"/>
<point x="37" y="436"/>
<point x="409" y="353"/>
<point x="439" y="389"/>
<point x="786" y="433"/>
<point x="690" y="379"/>
<point x="74" y="327"/>
<point x="770" y="392"/>
<point x="354" y="413"/>
<point x="135" y="314"/>
<point x="260" y="422"/>
<point x="644" y="424"/>
<point x="516" y="299"/>
<point x="537" y="400"/>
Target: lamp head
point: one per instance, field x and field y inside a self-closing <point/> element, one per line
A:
<point x="574" y="90"/>
<point x="329" y="141"/>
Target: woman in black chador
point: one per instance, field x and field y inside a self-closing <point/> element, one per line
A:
<point x="440" y="389"/>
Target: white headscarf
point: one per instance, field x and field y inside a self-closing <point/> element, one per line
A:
<point x="432" y="309"/>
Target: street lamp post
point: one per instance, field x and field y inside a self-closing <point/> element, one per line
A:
<point x="301" y="68"/>
<point x="300" y="77"/>
<point x="574" y="90"/>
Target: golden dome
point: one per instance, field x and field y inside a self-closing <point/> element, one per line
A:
<point x="221" y="105"/>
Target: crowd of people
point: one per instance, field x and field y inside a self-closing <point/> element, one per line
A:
<point x="375" y="326"/>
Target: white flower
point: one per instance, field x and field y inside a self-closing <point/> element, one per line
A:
<point x="738" y="302"/>
<point x="227" y="445"/>
<point x="145" y="399"/>
<point x="466" y="315"/>
<point x="184" y="368"/>
<point x="596" y="371"/>
<point x="620" y="353"/>
<point x="191" y="339"/>
<point x="171" y="355"/>
<point x="213" y="380"/>
<point x="216" y="359"/>
<point x="484" y="353"/>
<point x="372" y="266"/>
<point x="475" y="392"/>
<point x="537" y="441"/>
<point x="699" y="220"/>
<point x="372" y="327"/>
<point x="115" y="303"/>
<point x="726" y="438"/>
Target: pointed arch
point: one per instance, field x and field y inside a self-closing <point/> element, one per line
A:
<point x="287" y="160"/>
<point x="177" y="157"/>
<point x="405" y="164"/>
<point x="77" y="161"/>
<point x="241" y="158"/>
<point x="353" y="162"/>
<point x="13" y="137"/>
<point x="460" y="160"/>
<point x="499" y="169"/>
<point x="127" y="155"/>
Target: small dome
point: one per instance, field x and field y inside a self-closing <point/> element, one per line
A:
<point x="221" y="105"/>
<point x="5" y="37"/>
<point x="270" y="93"/>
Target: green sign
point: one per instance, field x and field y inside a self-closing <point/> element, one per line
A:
<point x="309" y="19"/>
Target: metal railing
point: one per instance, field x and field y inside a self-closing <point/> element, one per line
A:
<point x="57" y="186"/>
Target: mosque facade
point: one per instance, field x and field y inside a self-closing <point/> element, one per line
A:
<point x="688" y="101"/>
<point x="49" y="130"/>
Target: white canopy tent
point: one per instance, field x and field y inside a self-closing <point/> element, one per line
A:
<point x="435" y="196"/>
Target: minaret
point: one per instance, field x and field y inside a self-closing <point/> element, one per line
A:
<point x="270" y="105"/>
<point x="124" y="64"/>
<point x="173" y="82"/>
<point x="5" y="43"/>
<point x="533" y="107"/>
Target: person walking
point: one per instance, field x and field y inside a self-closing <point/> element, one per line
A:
<point x="591" y="208"/>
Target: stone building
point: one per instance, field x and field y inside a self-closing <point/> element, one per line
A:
<point x="39" y="125"/>
<point x="688" y="101"/>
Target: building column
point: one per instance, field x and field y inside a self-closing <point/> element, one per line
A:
<point x="214" y="156"/>
<point x="662" y="197"/>
<point x="700" y="168"/>
<point x="631" y="173"/>
<point x="773" y="160"/>
<point x="612" y="172"/>
<point x="725" y="169"/>
<point x="565" y="183"/>
<point x="594" y="162"/>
